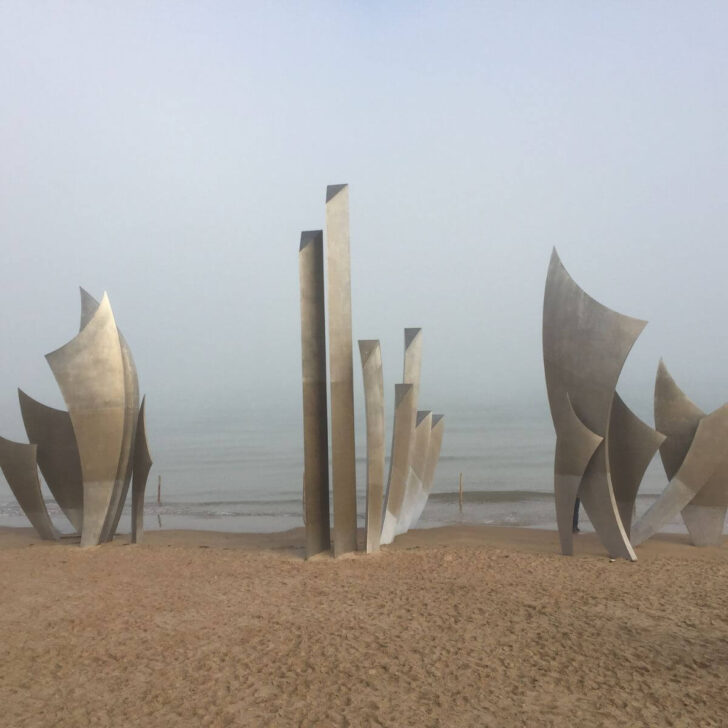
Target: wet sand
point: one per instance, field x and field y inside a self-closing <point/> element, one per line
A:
<point x="455" y="626"/>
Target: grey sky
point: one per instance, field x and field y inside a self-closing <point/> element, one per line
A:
<point x="171" y="153"/>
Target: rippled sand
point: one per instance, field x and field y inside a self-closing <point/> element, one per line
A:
<point x="458" y="626"/>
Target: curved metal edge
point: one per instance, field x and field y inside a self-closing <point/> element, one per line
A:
<point x="89" y="370"/>
<point x="575" y="446"/>
<point x="341" y="370"/>
<point x="131" y="415"/>
<point x="51" y="430"/>
<point x="433" y="457"/>
<point x="18" y="463"/>
<point x="371" y="363"/>
<point x="315" y="408"/>
<point x="142" y="464"/>
<point x="412" y="365"/>
<point x="414" y="489"/>
<point x="631" y="445"/>
<point x="585" y="345"/>
<point x="89" y="306"/>
<point x="404" y="420"/>
<point x="703" y="459"/>
<point x="675" y="416"/>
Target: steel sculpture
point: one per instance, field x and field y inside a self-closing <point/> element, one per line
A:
<point x="585" y="345"/>
<point x="18" y="463"/>
<point x="405" y="412"/>
<point x="414" y="489"/>
<point x="695" y="458"/>
<point x="86" y="454"/>
<point x="632" y="444"/>
<point x="343" y="468"/>
<point x="371" y="362"/>
<point x="315" y="415"/>
<point x="141" y="465"/>
<point x="51" y="430"/>
<point x="433" y="457"/>
<point x="89" y="306"/>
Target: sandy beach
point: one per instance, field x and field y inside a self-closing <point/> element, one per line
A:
<point x="455" y="626"/>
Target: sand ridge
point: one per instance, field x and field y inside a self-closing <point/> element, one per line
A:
<point x="450" y="627"/>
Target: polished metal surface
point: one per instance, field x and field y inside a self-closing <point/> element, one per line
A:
<point x="631" y="445"/>
<point x="679" y="418"/>
<point x="371" y="364"/>
<point x="703" y="459"/>
<point x="341" y="369"/>
<point x="575" y="446"/>
<point x="18" y="463"/>
<point x="89" y="306"/>
<point x="412" y="366"/>
<point x="414" y="495"/>
<point x="315" y="412"/>
<point x="142" y="463"/>
<point x="404" y="420"/>
<point x="585" y="345"/>
<point x="90" y="373"/>
<point x="51" y="430"/>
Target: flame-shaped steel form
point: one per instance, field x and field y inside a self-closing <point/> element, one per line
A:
<point x="18" y="463"/>
<point x="585" y="345"/>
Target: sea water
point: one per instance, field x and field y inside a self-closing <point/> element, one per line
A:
<point x="238" y="469"/>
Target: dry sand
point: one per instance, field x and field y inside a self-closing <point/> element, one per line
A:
<point x="458" y="626"/>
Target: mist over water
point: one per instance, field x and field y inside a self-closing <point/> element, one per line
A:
<point x="235" y="470"/>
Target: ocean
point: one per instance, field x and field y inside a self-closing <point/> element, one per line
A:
<point x="231" y="470"/>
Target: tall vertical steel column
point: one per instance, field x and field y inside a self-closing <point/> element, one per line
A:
<point x="341" y="368"/>
<point x="315" y="414"/>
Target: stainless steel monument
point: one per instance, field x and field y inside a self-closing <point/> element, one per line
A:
<point x="87" y="454"/>
<point x="417" y="438"/>
<point x="585" y="345"/>
<point x="695" y="458"/>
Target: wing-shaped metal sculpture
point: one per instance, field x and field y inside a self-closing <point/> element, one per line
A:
<point x="680" y="420"/>
<point x="405" y="412"/>
<point x="631" y="445"/>
<point x="703" y="459"/>
<point x="18" y="463"/>
<point x="315" y="412"/>
<point x="90" y="373"/>
<point x="371" y="363"/>
<point x="433" y="457"/>
<point x="141" y="466"/>
<point x="51" y="430"/>
<point x="585" y="345"/>
<point x="89" y="306"/>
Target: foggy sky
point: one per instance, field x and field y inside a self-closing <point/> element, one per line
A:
<point x="171" y="153"/>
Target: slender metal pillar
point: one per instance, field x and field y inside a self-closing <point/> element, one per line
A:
<point x="404" y="420"/>
<point x="341" y="368"/>
<point x="414" y="491"/>
<point x="315" y="416"/>
<point x="371" y="363"/>
<point x="141" y="465"/>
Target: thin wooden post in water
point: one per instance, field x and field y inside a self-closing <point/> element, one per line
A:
<point x="159" y="490"/>
<point x="460" y="495"/>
